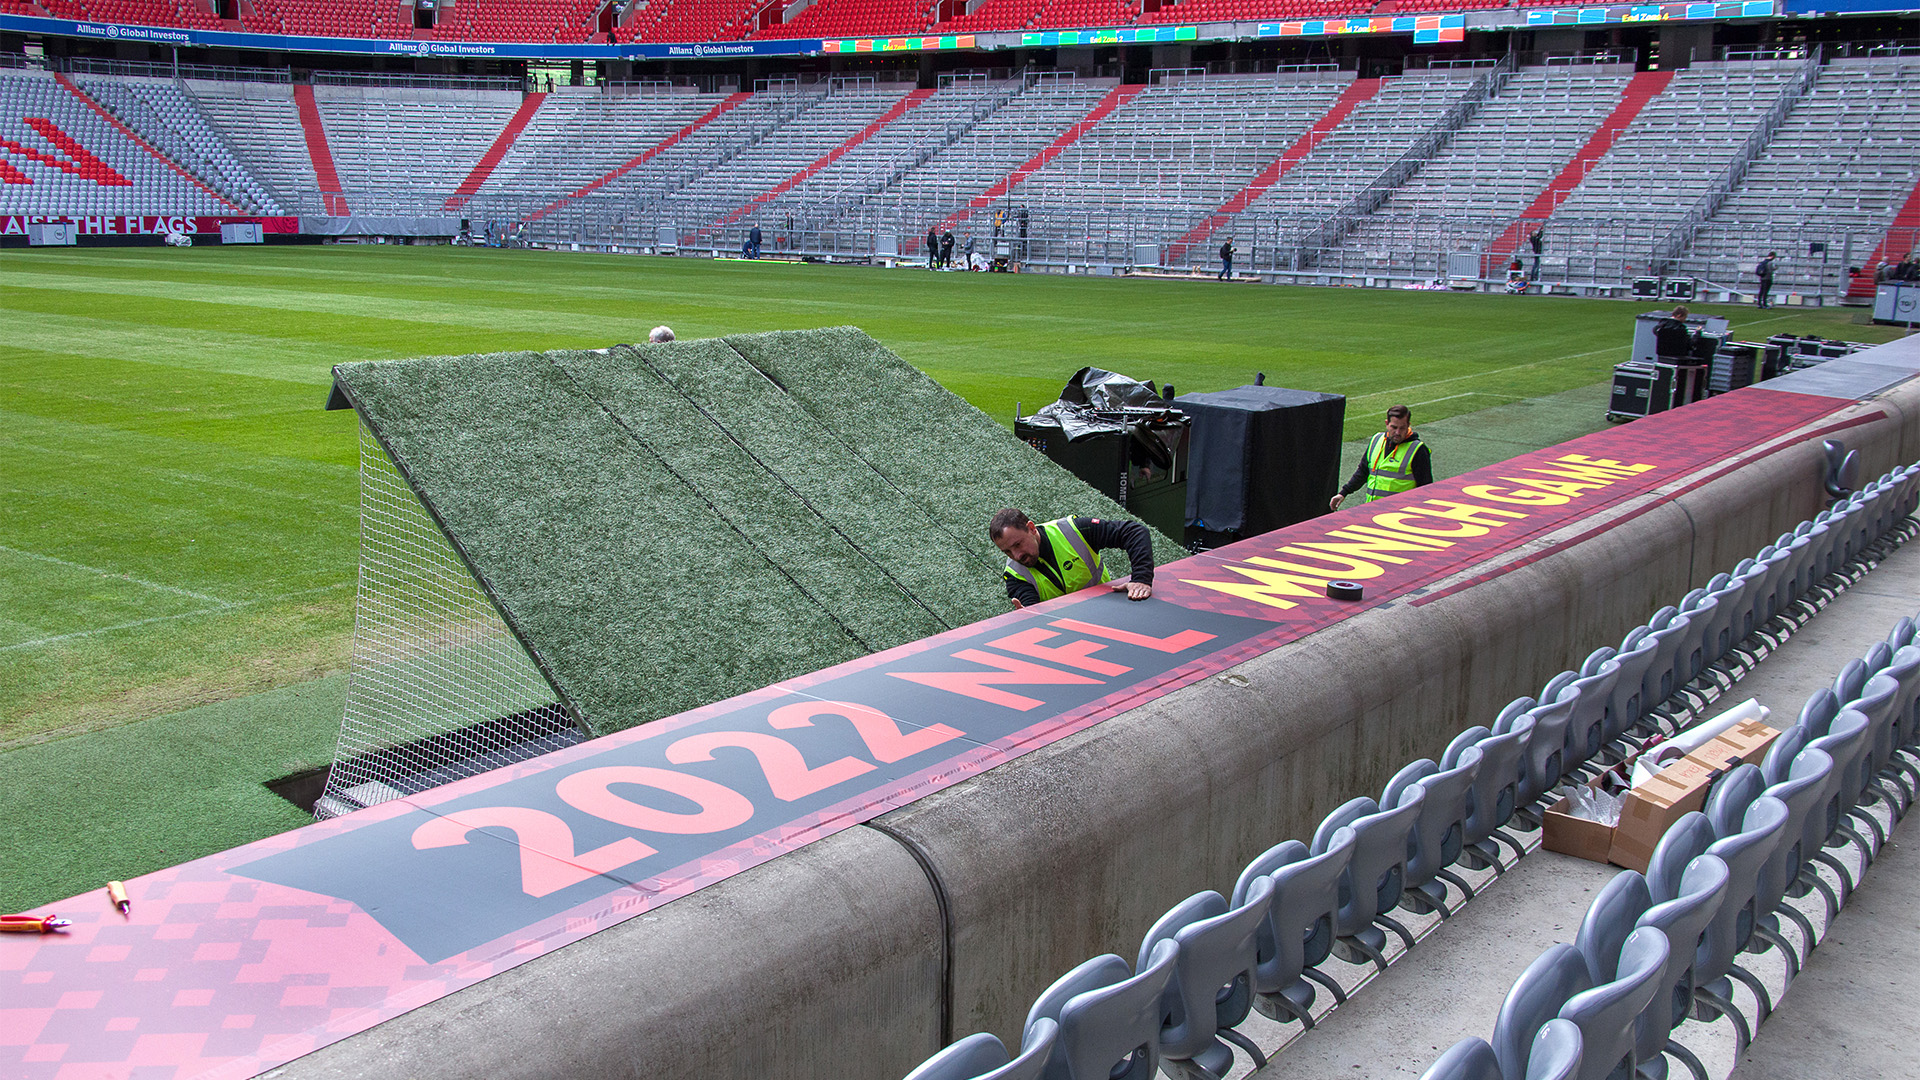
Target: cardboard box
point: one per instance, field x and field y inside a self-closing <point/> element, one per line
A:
<point x="1578" y="837"/>
<point x="1681" y="788"/>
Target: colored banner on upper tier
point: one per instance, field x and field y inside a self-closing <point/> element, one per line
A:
<point x="1636" y="13"/>
<point x="908" y="43"/>
<point x="1426" y="29"/>
<point x="1109" y="35"/>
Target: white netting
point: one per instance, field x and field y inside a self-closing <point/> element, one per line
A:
<point x="439" y="688"/>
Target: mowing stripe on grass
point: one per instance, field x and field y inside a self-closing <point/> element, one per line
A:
<point x="1401" y="390"/>
<point x="223" y="609"/>
<point x="214" y="600"/>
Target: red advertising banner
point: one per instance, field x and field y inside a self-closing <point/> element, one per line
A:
<point x="147" y="224"/>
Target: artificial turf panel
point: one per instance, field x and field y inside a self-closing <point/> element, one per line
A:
<point x="666" y="526"/>
<point x="783" y="526"/>
<point x="840" y="375"/>
<point x="610" y="569"/>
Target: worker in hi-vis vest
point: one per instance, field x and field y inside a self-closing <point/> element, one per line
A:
<point x="1396" y="460"/>
<point x="1057" y="557"/>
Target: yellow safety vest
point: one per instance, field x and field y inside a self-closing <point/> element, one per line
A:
<point x="1389" y="471"/>
<point x="1073" y="558"/>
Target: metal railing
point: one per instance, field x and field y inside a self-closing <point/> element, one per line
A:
<point x="1768" y="52"/>
<point x="1680" y="236"/>
<point x="410" y="81"/>
<point x="141" y="69"/>
<point x="1599" y="56"/>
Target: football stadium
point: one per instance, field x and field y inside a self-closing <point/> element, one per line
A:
<point x="417" y="414"/>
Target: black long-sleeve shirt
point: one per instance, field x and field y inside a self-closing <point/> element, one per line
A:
<point x="1129" y="536"/>
<point x="1422" y="470"/>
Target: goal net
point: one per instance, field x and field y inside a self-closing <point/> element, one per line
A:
<point x="439" y="687"/>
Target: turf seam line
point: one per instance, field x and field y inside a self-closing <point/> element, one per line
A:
<point x="771" y="471"/>
<point x="853" y="450"/>
<point x="460" y="551"/>
<point x="121" y="576"/>
<point x="717" y="512"/>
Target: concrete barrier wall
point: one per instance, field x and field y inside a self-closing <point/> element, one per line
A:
<point x="854" y="957"/>
<point x="825" y="962"/>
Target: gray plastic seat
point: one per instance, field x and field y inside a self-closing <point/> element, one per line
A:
<point x="1546" y="756"/>
<point x="1110" y="1020"/>
<point x="1847" y="742"/>
<point x="1511" y="712"/>
<point x="1375" y="876"/>
<point x="1775" y="563"/>
<point x="1901" y="635"/>
<point x="1608" y="1015"/>
<point x="1300" y="924"/>
<point x="1716" y="960"/>
<point x="1590" y="728"/>
<point x="1780" y="877"/>
<point x="1536" y="997"/>
<point x="1878" y="700"/>
<point x="1684" y="841"/>
<point x="1557" y="1051"/>
<point x="1709" y="625"/>
<point x="1730" y="796"/>
<point x="1684" y="920"/>
<point x="1495" y="795"/>
<point x="1461" y="742"/>
<point x="1780" y="754"/>
<point x="1904" y="669"/>
<point x="1669" y="670"/>
<point x="1876" y="658"/>
<point x="1211" y="990"/>
<point x="1609" y="921"/>
<point x="1439" y="832"/>
<point x="1818" y="712"/>
<point x="1851" y="680"/>
<point x="981" y="1056"/>
<point x="1799" y="551"/>
<point x="1555" y="1056"/>
<point x="1638" y="650"/>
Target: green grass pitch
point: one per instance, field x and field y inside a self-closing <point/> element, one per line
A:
<point x="178" y="533"/>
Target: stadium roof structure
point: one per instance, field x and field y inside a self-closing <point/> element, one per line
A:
<point x="665" y="526"/>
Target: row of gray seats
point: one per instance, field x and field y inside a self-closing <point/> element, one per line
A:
<point x="1659" y="949"/>
<point x="1210" y="961"/>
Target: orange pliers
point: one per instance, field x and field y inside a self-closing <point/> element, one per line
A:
<point x="32" y="924"/>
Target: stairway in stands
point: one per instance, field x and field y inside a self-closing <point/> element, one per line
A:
<point x="1358" y="91"/>
<point x="1642" y="88"/>
<point x="319" y="151"/>
<point x="1115" y="98"/>
<point x="494" y="153"/>
<point x="1902" y="237"/>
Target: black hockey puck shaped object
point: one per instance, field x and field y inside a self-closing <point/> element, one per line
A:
<point x="1344" y="590"/>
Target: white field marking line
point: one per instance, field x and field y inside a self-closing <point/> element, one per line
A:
<point x="123" y="577"/>
<point x="1470" y="393"/>
<point x="1496" y="371"/>
<point x="221" y="610"/>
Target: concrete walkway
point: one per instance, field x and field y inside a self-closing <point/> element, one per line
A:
<point x="1850" y="1014"/>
